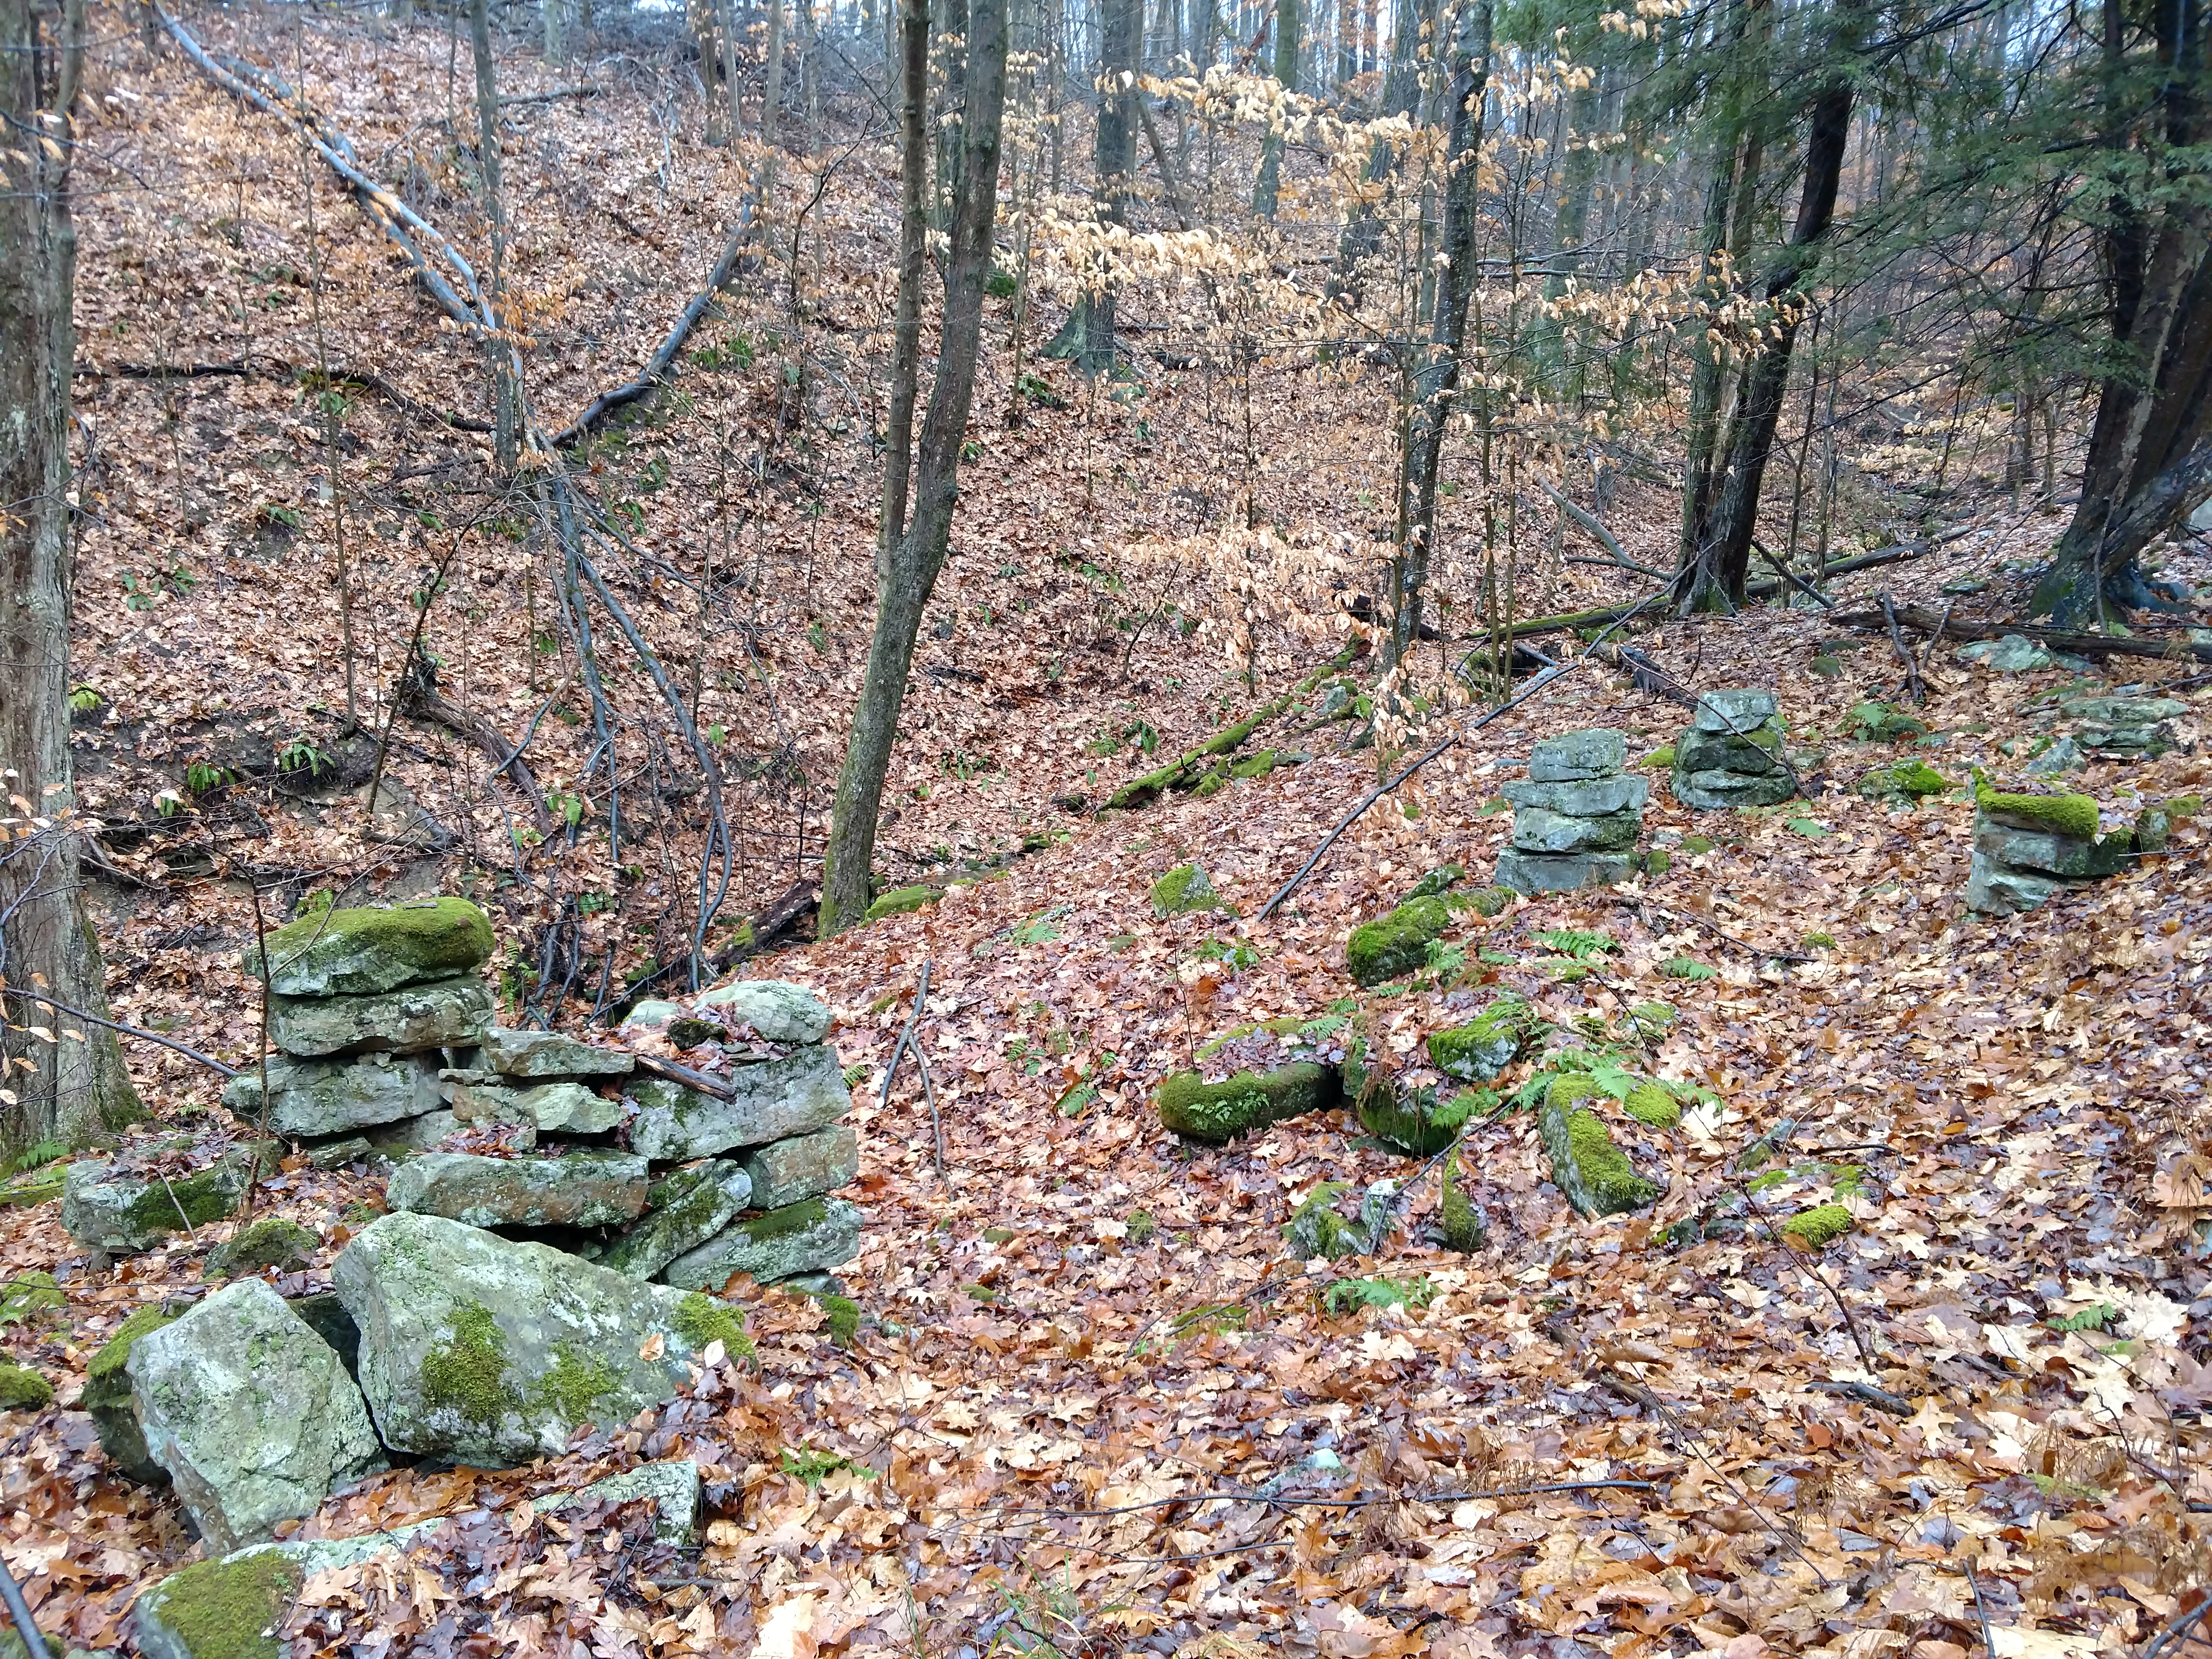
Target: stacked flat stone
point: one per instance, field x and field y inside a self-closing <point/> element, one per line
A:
<point x="2028" y="847"/>
<point x="1731" y="753"/>
<point x="1576" y="817"/>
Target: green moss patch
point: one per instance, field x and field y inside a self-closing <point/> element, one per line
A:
<point x="271" y="1242"/>
<point x="787" y="1222"/>
<point x="1396" y="944"/>
<point x="1457" y="1218"/>
<point x="428" y="941"/>
<point x="464" y="1374"/>
<point x="1485" y="1045"/>
<point x="901" y="901"/>
<point x="1436" y="883"/>
<point x="1215" y="1113"/>
<point x="1819" y="1227"/>
<point x="1905" y="781"/>
<point x="23" y="1389"/>
<point x="1659" y="757"/>
<point x="1487" y="902"/>
<point x="2067" y="815"/>
<point x="1594" y="1174"/>
<point x="1649" y="1102"/>
<point x="1184" y="890"/>
<point x="576" y="1382"/>
<point x="194" y="1200"/>
<point x="700" y="1319"/>
<point x="230" y="1609"/>
<point x="1255" y="766"/>
<point x="106" y="1382"/>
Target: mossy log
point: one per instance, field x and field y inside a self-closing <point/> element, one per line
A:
<point x="1189" y="768"/>
<point x="1217" y="1112"/>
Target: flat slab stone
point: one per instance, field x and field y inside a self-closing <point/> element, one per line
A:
<point x="492" y="1351"/>
<point x="1598" y="752"/>
<point x="778" y="1012"/>
<point x="1755" y="750"/>
<point x="813" y="1237"/>
<point x="550" y="1054"/>
<point x="106" y="1209"/>
<point x="583" y="1190"/>
<point x="1996" y="889"/>
<point x="1536" y="830"/>
<point x="250" y="1412"/>
<point x="551" y="1107"/>
<point x="2047" y="852"/>
<point x="1561" y="872"/>
<point x="444" y="1013"/>
<point x="1587" y="798"/>
<point x="333" y="1097"/>
<point x="805" y="1166"/>
<point x="775" y="1099"/>
<point x="1718" y="790"/>
<point x="683" y="1209"/>
<point x="1735" y="711"/>
<point x="370" y="948"/>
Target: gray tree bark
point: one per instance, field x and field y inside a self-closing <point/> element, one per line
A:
<point x="71" y="1084"/>
<point x="506" y="395"/>
<point x="1269" y="186"/>
<point x="905" y="581"/>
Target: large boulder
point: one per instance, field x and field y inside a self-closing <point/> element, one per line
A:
<point x="104" y="1208"/>
<point x="1397" y="944"/>
<point x="551" y="1107"/>
<point x="334" y="1096"/>
<point x="107" y="1398"/>
<point x="683" y="1210"/>
<point x="778" y="1012"/>
<point x="444" y="1013"/>
<point x="583" y="1190"/>
<point x="550" y="1054"/>
<point x="251" y="1413"/>
<point x="773" y="1099"/>
<point x="805" y="1166"/>
<point x="811" y="1237"/>
<point x="491" y="1352"/>
<point x="356" y="952"/>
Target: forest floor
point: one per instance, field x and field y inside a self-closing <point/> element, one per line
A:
<point x="1579" y="1439"/>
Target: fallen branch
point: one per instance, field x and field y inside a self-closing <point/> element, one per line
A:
<point x="583" y="89"/>
<point x="419" y="700"/>
<point x="1603" y="537"/>
<point x="907" y="1044"/>
<point x="124" y="1027"/>
<point x="2174" y="647"/>
<point x="689" y="1077"/>
<point x="1866" y="1394"/>
<point x="363" y="378"/>
<point x="1915" y="687"/>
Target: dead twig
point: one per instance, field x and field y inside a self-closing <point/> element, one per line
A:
<point x="1866" y="1394"/>
<point x="685" y="1075"/>
<point x="1811" y="1267"/>
<point x="905" y="1045"/>
<point x="1913" y="688"/>
<point x="122" y="1026"/>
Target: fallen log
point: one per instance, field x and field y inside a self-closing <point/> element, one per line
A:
<point x="2173" y="648"/>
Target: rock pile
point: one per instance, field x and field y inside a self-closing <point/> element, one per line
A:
<point x="1576" y="817"/>
<point x="1731" y="753"/>
<point x="2027" y="847"/>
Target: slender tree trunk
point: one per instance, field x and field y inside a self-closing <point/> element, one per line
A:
<point x="1402" y="93"/>
<point x="914" y="242"/>
<point x="1725" y="557"/>
<point x="904" y="587"/>
<point x="1265" y="192"/>
<point x="1436" y="380"/>
<point x="505" y="394"/>
<point x="551" y="11"/>
<point x="1088" y="335"/>
<point x="70" y="1084"/>
<point x="772" y="81"/>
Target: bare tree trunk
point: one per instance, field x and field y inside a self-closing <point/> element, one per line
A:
<point x="772" y="94"/>
<point x="551" y="12"/>
<point x="1088" y="335"/>
<point x="1402" y="93"/>
<point x="904" y="586"/>
<point x="505" y="393"/>
<point x="914" y="242"/>
<point x="1269" y="188"/>
<point x="1437" y="379"/>
<point x="70" y="1083"/>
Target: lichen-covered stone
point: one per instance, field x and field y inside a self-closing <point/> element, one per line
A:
<point x="1561" y="872"/>
<point x="360" y="951"/>
<point x="1537" y="830"/>
<point x="901" y="901"/>
<point x="583" y="1190"/>
<point x="1598" y="752"/>
<point x="1588" y="1168"/>
<point x="325" y="1315"/>
<point x="2125" y="726"/>
<point x="775" y="1099"/>
<point x="250" y="1412"/>
<point x="805" y="1166"/>
<point x="442" y="1013"/>
<point x="2048" y="852"/>
<point x="426" y="1133"/>
<point x="1487" y="902"/>
<point x="1818" y="1227"/>
<point x="1590" y="797"/>
<point x="1395" y="945"/>
<point x="776" y="1010"/>
<point x="106" y="1399"/>
<point x="1740" y="710"/>
<point x="1184" y="890"/>
<point x="2063" y="756"/>
<point x="274" y="1241"/>
<point x="1217" y="1112"/>
<point x="103" y="1209"/>
<point x="1994" y="890"/>
<point x="553" y="1108"/>
<point x="682" y="1211"/>
<point x="550" y="1054"/>
<point x="23" y="1389"/>
<point x="1485" y="1046"/>
<point x="2009" y="654"/>
<point x="813" y="1237"/>
<point x="333" y="1097"/>
<point x="492" y="1351"/>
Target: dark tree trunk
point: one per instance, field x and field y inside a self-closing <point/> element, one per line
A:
<point x="1402" y="93"/>
<point x="1436" y="378"/>
<point x="905" y="581"/>
<point x="70" y="1084"/>
<point x="1088" y="335"/>
<point x="1269" y="186"/>
<point x="914" y="242"/>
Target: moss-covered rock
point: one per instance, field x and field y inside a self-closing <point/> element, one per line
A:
<point x="1435" y="883"/>
<point x="1660" y="758"/>
<point x="1418" y="1121"/>
<point x="1905" y="782"/>
<point x="360" y="951"/>
<point x="1649" y="1102"/>
<point x="227" y="1609"/>
<point x="1818" y="1227"/>
<point x="104" y="1208"/>
<point x="1396" y="945"/>
<point x="2064" y="815"/>
<point x="815" y="1236"/>
<point x="1184" y="890"/>
<point x="1593" y="1173"/>
<point x="683" y="1209"/>
<point x="1316" y="1228"/>
<point x="1255" y="766"/>
<point x="23" y="1389"/>
<point x="1485" y="902"/>
<point x="1483" y="1048"/>
<point x="274" y="1241"/>
<point x="1217" y="1112"/>
<point x="901" y="901"/>
<point x="1460" y="1221"/>
<point x="106" y="1397"/>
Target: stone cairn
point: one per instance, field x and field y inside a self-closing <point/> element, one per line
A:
<point x="562" y="1220"/>
<point x="2027" y="847"/>
<point x="1731" y="753"/>
<point x="1576" y="817"/>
